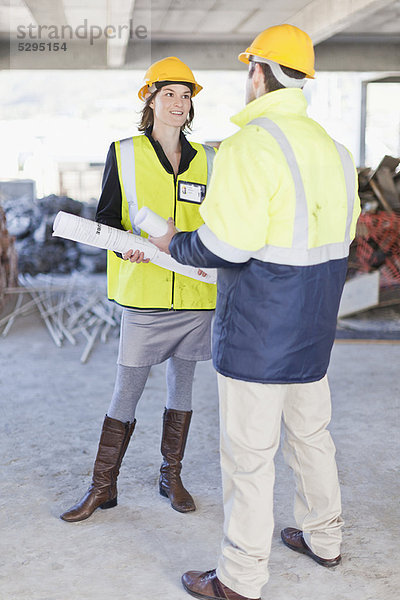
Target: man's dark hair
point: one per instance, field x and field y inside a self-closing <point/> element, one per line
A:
<point x="271" y="82"/>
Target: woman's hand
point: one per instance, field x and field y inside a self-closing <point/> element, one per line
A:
<point x="164" y="241"/>
<point x="135" y="257"/>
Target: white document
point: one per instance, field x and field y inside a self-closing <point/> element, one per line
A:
<point x="78" y="229"/>
<point x="156" y="226"/>
<point x="151" y="222"/>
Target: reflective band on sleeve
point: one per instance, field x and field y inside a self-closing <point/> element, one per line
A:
<point x="210" y="155"/>
<point x="300" y="226"/>
<point x="350" y="179"/>
<point x="128" y="178"/>
<point x="220" y="248"/>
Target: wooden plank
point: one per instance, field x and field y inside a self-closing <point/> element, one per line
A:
<point x="380" y="196"/>
<point x="388" y="188"/>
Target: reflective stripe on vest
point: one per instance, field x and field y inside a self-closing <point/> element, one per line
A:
<point x="210" y="155"/>
<point x="127" y="153"/>
<point x="299" y="253"/>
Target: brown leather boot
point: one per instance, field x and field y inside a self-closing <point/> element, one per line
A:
<point x="102" y="492"/>
<point x="175" y="431"/>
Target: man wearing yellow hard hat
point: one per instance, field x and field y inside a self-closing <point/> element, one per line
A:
<point x="279" y="216"/>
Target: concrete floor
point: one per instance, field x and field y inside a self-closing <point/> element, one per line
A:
<point x="51" y="412"/>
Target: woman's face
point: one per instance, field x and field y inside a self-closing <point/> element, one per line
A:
<point x="171" y="104"/>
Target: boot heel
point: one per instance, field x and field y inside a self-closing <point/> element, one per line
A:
<point x="109" y="503"/>
<point x="163" y="492"/>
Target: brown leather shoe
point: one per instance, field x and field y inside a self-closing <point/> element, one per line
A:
<point x="293" y="539"/>
<point x="207" y="585"/>
<point x="175" y="431"/>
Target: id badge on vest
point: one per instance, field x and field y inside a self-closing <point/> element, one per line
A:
<point x="191" y="192"/>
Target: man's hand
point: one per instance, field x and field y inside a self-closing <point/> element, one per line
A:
<point x="164" y="241"/>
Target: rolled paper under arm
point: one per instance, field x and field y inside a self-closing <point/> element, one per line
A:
<point x="151" y="222"/>
<point x="78" y="229"/>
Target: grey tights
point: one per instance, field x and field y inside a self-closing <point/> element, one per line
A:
<point x="130" y="382"/>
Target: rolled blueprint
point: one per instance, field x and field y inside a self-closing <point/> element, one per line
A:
<point x="78" y="229"/>
<point x="151" y="222"/>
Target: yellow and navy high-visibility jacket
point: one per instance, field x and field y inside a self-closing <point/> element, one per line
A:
<point x="279" y="215"/>
<point x="137" y="173"/>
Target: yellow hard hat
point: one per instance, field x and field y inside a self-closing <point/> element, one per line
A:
<point x="286" y="45"/>
<point x="168" y="69"/>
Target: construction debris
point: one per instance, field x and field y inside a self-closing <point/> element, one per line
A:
<point x="70" y="307"/>
<point x="377" y="243"/>
<point x="379" y="188"/>
<point x="376" y="248"/>
<point x="8" y="258"/>
<point x="72" y="301"/>
<point x="31" y="223"/>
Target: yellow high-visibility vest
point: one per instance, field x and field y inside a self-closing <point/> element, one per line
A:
<point x="145" y="182"/>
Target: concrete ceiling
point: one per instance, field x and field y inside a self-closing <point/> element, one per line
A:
<point x="351" y="35"/>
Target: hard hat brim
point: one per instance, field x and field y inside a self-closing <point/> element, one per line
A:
<point x="244" y="58"/>
<point x="144" y="90"/>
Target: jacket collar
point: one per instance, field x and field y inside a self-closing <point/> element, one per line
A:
<point x="187" y="153"/>
<point x="284" y="101"/>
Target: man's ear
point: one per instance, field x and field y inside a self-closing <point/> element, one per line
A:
<point x="258" y="76"/>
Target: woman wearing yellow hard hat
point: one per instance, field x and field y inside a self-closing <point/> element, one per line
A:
<point x="166" y="316"/>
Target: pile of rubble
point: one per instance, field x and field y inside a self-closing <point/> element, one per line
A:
<point x="380" y="188"/>
<point x="377" y="243"/>
<point x="71" y="307"/>
<point x="31" y="223"/>
<point x="8" y="258"/>
<point x="372" y="288"/>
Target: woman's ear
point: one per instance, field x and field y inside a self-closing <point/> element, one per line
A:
<point x="146" y="96"/>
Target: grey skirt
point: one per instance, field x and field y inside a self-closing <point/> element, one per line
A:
<point x="150" y="337"/>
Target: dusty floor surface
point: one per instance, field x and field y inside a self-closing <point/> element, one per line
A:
<point x="51" y="413"/>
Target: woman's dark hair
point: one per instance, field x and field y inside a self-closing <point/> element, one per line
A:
<point x="147" y="115"/>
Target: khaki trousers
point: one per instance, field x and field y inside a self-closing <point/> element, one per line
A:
<point x="250" y="419"/>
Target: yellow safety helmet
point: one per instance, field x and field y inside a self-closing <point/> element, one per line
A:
<point x="168" y="69"/>
<point x="286" y="45"/>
